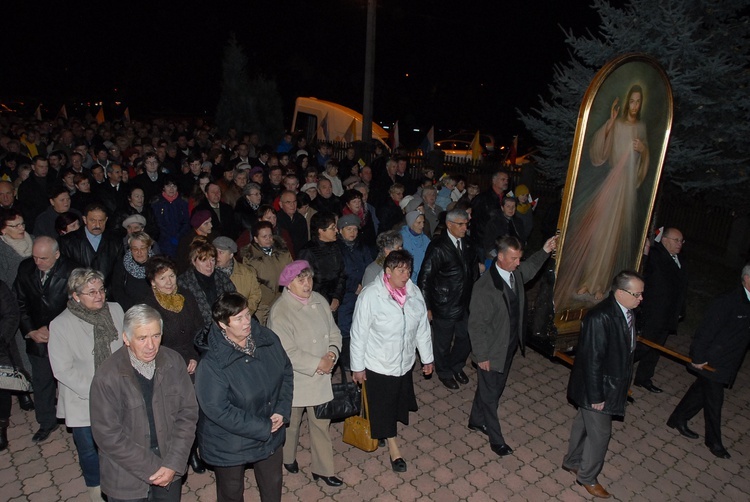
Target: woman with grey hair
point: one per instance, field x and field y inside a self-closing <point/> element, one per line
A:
<point x="81" y="339"/>
<point x="387" y="242"/>
<point x="246" y="207"/>
<point x="129" y="284"/>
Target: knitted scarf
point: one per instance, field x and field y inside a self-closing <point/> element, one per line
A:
<point x="133" y="267"/>
<point x="104" y="328"/>
<point x="21" y="246"/>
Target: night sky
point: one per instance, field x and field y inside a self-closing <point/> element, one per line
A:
<point x="444" y="63"/>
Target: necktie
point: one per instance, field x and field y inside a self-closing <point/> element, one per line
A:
<point x="631" y="328"/>
<point x="512" y="283"/>
<point x="43" y="277"/>
<point x="676" y="260"/>
<point x="458" y="245"/>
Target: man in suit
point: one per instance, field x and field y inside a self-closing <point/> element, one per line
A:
<point x="42" y="290"/>
<point x="496" y="330"/>
<point x="113" y="193"/>
<point x="721" y="342"/>
<point x="666" y="282"/>
<point x="222" y="214"/>
<point x="600" y="378"/>
<point x="92" y="246"/>
<point x="450" y="267"/>
<point x="504" y="222"/>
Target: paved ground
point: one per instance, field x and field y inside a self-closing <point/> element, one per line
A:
<point x="447" y="462"/>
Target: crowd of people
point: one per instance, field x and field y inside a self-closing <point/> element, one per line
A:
<point x="182" y="297"/>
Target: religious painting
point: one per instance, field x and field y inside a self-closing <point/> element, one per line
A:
<point x="613" y="175"/>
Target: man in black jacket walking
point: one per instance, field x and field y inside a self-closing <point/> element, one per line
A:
<point x="721" y="342"/>
<point x="450" y="267"/>
<point x="600" y="378"/>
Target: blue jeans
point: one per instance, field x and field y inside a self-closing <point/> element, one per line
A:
<point x="88" y="457"/>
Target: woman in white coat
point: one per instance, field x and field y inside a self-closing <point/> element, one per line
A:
<point x="80" y="339"/>
<point x="302" y="320"/>
<point x="390" y="324"/>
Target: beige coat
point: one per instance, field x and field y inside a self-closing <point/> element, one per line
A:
<point x="307" y="333"/>
<point x="268" y="269"/>
<point x="246" y="282"/>
<point x="71" y="355"/>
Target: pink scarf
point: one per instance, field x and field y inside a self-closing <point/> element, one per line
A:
<point x="170" y="199"/>
<point x="398" y="294"/>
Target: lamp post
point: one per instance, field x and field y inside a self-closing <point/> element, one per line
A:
<point x="369" y="76"/>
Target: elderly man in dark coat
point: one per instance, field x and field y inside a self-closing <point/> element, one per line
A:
<point x="600" y="378"/>
<point x="721" y="342"/>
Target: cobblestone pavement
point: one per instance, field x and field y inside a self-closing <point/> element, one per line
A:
<point x="447" y="462"/>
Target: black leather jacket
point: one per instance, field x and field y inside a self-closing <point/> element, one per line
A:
<point x="604" y="362"/>
<point x="40" y="304"/>
<point x="446" y="278"/>
<point x="77" y="247"/>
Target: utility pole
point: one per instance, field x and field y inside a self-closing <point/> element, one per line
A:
<point x="369" y="75"/>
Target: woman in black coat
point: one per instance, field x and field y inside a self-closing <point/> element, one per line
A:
<point x="129" y="285"/>
<point x="324" y="255"/>
<point x="9" y="317"/>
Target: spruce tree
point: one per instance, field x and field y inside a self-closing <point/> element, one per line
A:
<point x="248" y="104"/>
<point x="704" y="46"/>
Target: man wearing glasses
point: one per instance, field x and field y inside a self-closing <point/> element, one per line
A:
<point x="600" y="378"/>
<point x="666" y="283"/>
<point x="151" y="180"/>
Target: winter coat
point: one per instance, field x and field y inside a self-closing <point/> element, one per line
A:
<point x="417" y="246"/>
<point x="119" y="423"/>
<point x="385" y="336"/>
<point x="77" y="247"/>
<point x="180" y="328"/>
<point x="238" y="394"/>
<point x="173" y="221"/>
<point x="9" y="317"/>
<point x="71" y="356"/>
<point x="246" y="282"/>
<point x="307" y="333"/>
<point x="356" y="260"/>
<point x="267" y="269"/>
<point x="221" y="284"/>
<point x="328" y="264"/>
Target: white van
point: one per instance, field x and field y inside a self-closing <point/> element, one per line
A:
<point x="314" y="116"/>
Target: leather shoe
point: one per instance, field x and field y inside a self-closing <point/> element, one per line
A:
<point x="43" y="434"/>
<point x="292" y="468"/>
<point x="596" y="490"/>
<point x="649" y="387"/>
<point x="450" y="383"/>
<point x="25" y="402"/>
<point x="720" y="452"/>
<point x="196" y="464"/>
<point x="682" y="428"/>
<point x="398" y="465"/>
<point x="501" y="449"/>
<point x="478" y="428"/>
<point x="329" y="480"/>
<point x="572" y="470"/>
<point x="381" y="443"/>
<point x="461" y="377"/>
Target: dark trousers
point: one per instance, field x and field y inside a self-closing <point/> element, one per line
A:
<point x="230" y="481"/>
<point x="5" y="404"/>
<point x="490" y="387"/>
<point x="589" y="440"/>
<point x="648" y="357"/>
<point x="707" y="395"/>
<point x="171" y="493"/>
<point x="451" y="346"/>
<point x="45" y="386"/>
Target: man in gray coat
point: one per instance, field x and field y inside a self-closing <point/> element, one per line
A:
<point x="496" y="330"/>
<point x="143" y="448"/>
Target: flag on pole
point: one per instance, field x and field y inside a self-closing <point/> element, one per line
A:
<point x="126" y="114"/>
<point x="513" y="155"/>
<point x="394" y="137"/>
<point x="100" y="116"/>
<point x="476" y="147"/>
<point x="428" y="143"/>
<point x="38" y="112"/>
<point x="63" y="112"/>
<point x="351" y="133"/>
<point x="322" y="132"/>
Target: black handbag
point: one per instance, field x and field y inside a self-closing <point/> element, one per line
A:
<point x="346" y="402"/>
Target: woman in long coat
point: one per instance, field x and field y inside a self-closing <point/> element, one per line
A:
<point x="303" y="322"/>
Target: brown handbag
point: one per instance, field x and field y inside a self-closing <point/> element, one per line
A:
<point x="357" y="428"/>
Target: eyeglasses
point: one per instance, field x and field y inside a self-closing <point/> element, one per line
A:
<point x="634" y="295"/>
<point x="678" y="241"/>
<point x="459" y="223"/>
<point x="94" y="292"/>
<point x="16" y="225"/>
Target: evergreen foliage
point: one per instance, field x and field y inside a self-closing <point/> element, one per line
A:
<point x="704" y="47"/>
<point x="248" y="104"/>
